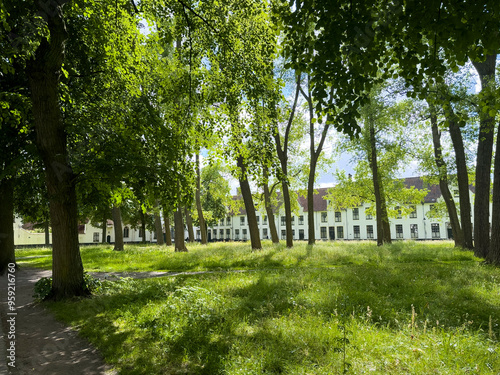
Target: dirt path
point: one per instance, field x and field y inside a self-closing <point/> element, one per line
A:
<point x="43" y="346"/>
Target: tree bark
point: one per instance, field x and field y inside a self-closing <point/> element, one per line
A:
<point x="463" y="183"/>
<point x="493" y="255"/>
<point x="46" y="226"/>
<point x="104" y="228"/>
<point x="168" y="233"/>
<point x="179" y="230"/>
<point x="269" y="210"/>
<point x="189" y="224"/>
<point x="443" y="184"/>
<point x="7" y="252"/>
<point x="383" y="226"/>
<point x="117" y="224"/>
<point x="310" y="204"/>
<point x="158" y="226"/>
<point x="246" y="193"/>
<point x="486" y="71"/>
<point x="143" y="225"/>
<point x="201" y="218"/>
<point x="43" y="72"/>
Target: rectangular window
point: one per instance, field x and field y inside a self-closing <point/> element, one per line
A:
<point x="244" y="232"/>
<point x="435" y="230"/>
<point x="265" y="220"/>
<point x="242" y="220"/>
<point x="215" y="234"/>
<point x="222" y="221"/>
<point x="301" y="220"/>
<point x="324" y="217"/>
<point x="96" y="236"/>
<point x="413" y="213"/>
<point x="340" y="232"/>
<point x="198" y="234"/>
<point x="368" y="215"/>
<point x="236" y="234"/>
<point x="338" y="216"/>
<point x="221" y="234"/>
<point x="369" y="231"/>
<point x="283" y="234"/>
<point x="228" y="220"/>
<point x="293" y="220"/>
<point x="356" y="232"/>
<point x="399" y="230"/>
<point x="258" y="220"/>
<point x="414" y="230"/>
<point x="283" y="221"/>
<point x="399" y="216"/>
<point x="125" y="232"/>
<point x="323" y="233"/>
<point x="293" y="233"/>
<point x="301" y="234"/>
<point x="228" y="234"/>
<point x="264" y="233"/>
<point x="355" y="213"/>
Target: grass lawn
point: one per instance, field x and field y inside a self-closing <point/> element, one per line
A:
<point x="408" y="308"/>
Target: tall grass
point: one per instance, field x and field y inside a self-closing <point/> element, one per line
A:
<point x="409" y="308"/>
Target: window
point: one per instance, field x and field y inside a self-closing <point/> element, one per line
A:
<point x="283" y="234"/>
<point x="283" y="221"/>
<point x="96" y="236"/>
<point x="356" y="232"/>
<point x="236" y="234"/>
<point x="435" y="230"/>
<point x="228" y="220"/>
<point x="258" y="220"/>
<point x="198" y="234"/>
<point x="222" y="221"/>
<point x="413" y="213"/>
<point x="301" y="234"/>
<point x="221" y="234"/>
<point x="293" y="233"/>
<point x="242" y="220"/>
<point x="324" y="217"/>
<point x="368" y="215"/>
<point x="369" y="231"/>
<point x="340" y="232"/>
<point x="323" y="233"/>
<point x="301" y="220"/>
<point x="215" y="234"/>
<point x="414" y="230"/>
<point x="244" y="234"/>
<point x="293" y="220"/>
<point x="456" y="193"/>
<point x="126" y="232"/>
<point x="228" y="234"/>
<point x="264" y="233"/>
<point x="399" y="216"/>
<point x="399" y="230"/>
<point x="265" y="219"/>
<point x="355" y="213"/>
<point x="338" y="216"/>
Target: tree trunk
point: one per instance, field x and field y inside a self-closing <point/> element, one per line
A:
<point x="443" y="184"/>
<point x="383" y="226"/>
<point x="201" y="219"/>
<point x="46" y="226"/>
<point x="44" y="72"/>
<point x="104" y="228"/>
<point x="246" y="193"/>
<point x="463" y="183"/>
<point x="288" y="214"/>
<point x="189" y="224"/>
<point x="143" y="225"/>
<point x="493" y="255"/>
<point x="117" y="224"/>
<point x="310" y="203"/>
<point x="158" y="230"/>
<point x="270" y="214"/>
<point x="179" y="230"/>
<point x="7" y="252"/>
<point x="168" y="233"/>
<point x="486" y="71"/>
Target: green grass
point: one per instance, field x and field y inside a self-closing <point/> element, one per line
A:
<point x="409" y="308"/>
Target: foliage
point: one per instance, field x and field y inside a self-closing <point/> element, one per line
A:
<point x="43" y="287"/>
